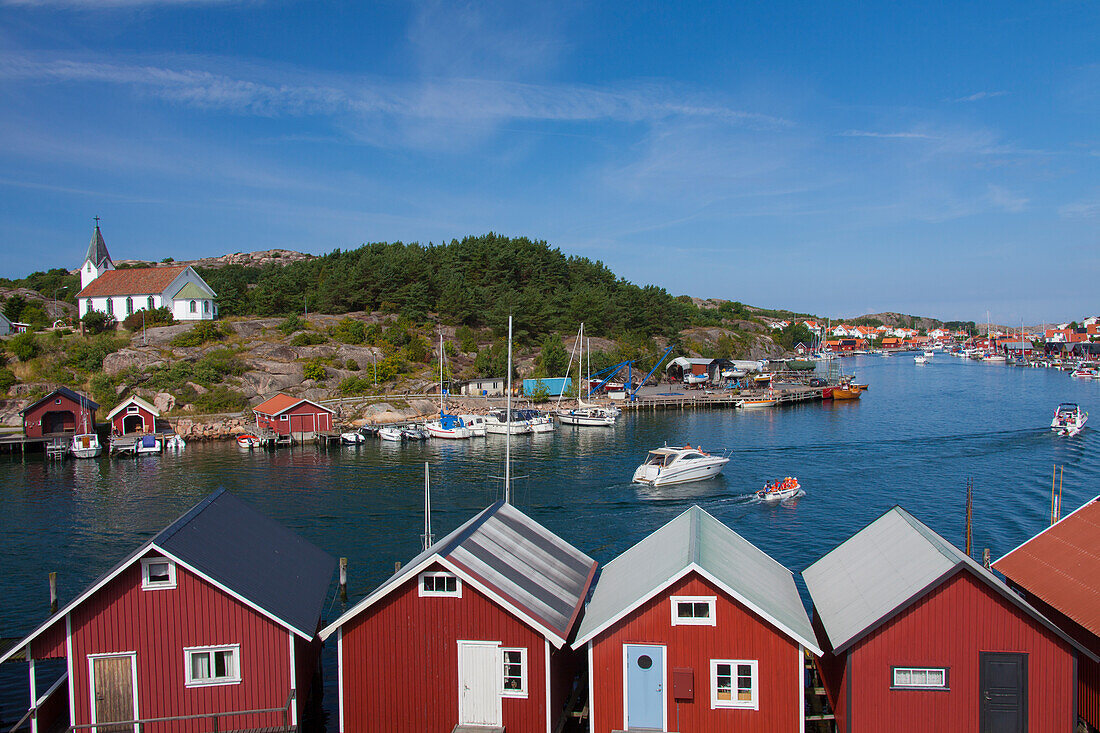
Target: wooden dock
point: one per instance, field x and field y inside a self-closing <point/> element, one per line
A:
<point x="715" y="399"/>
<point x="54" y="446"/>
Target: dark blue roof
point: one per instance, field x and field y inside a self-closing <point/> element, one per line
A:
<point x="65" y="392"/>
<point x="253" y="556"/>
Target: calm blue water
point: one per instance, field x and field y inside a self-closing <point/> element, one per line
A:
<point x="913" y="439"/>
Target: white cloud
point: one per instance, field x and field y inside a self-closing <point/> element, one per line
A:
<point x="1080" y="210"/>
<point x="1004" y="199"/>
<point x="889" y="135"/>
<point x="109" y="4"/>
<point x="977" y="96"/>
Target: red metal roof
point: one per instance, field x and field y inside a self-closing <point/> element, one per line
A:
<point x="281" y="403"/>
<point x="1061" y="566"/>
<point x="132" y="281"/>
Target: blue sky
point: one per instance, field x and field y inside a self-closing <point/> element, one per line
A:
<point x="835" y="158"/>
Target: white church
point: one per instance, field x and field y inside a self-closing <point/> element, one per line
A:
<point x="120" y="293"/>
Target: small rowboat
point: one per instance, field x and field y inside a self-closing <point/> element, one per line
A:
<point x="779" y="490"/>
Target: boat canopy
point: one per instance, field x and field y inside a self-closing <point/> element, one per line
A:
<point x="450" y="422"/>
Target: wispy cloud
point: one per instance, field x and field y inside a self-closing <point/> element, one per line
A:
<point x="108" y="4"/>
<point x="978" y="96"/>
<point x="1001" y="198"/>
<point x="889" y="135"/>
<point x="1080" y="210"/>
<point x="462" y="99"/>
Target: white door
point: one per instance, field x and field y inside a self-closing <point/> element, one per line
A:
<point x="479" y="682"/>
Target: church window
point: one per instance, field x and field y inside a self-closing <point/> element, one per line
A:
<point x="110" y="307"/>
<point x="129" y="305"/>
<point x="206" y="306"/>
<point x="194" y="309"/>
<point x="149" y="302"/>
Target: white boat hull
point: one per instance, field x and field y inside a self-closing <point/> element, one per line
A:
<point x="752" y="404"/>
<point x="352" y="438"/>
<point x="504" y="429"/>
<point x="590" y="421"/>
<point x="661" y="476"/>
<point x="175" y="443"/>
<point x="437" y="431"/>
<point x="85" y="446"/>
<point x="777" y="495"/>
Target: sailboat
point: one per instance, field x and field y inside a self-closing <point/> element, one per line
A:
<point x="586" y="414"/>
<point x="449" y="427"/>
<point x="85" y="444"/>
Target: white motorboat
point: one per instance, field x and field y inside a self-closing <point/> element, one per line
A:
<point x="752" y="404"/>
<point x="352" y="437"/>
<point x="780" y="490"/>
<point x="994" y="358"/>
<point x="248" y="441"/>
<point x="929" y="353"/>
<point x="475" y="423"/>
<point x="672" y="465"/>
<point x="1069" y="419"/>
<point x="415" y="432"/>
<point x="538" y="422"/>
<point x="175" y="442"/>
<point x="496" y="423"/>
<point x="85" y="445"/>
<point x="147" y="444"/>
<point x="592" y="417"/>
<point x="920" y="359"/>
<point x="390" y="433"/>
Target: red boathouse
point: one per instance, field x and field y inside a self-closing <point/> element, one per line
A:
<point x="471" y="632"/>
<point x="293" y="416"/>
<point x="133" y="415"/>
<point x="915" y="630"/>
<point x="1058" y="571"/>
<point x="61" y="412"/>
<point x="695" y="629"/>
<point x="214" y="617"/>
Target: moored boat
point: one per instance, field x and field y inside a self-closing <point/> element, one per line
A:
<point x="780" y="490"/>
<point x="390" y="433"/>
<point x="85" y="445"/>
<point x="847" y="392"/>
<point x="1069" y="419"/>
<point x="248" y="441"/>
<point x="752" y="404"/>
<point x="677" y="465"/>
<point x="592" y="417"/>
<point x="352" y="437"/>
<point x="175" y="442"/>
<point x="475" y="424"/>
<point x="147" y="444"/>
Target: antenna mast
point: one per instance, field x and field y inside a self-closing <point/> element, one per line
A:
<point x="969" y="513"/>
<point x="427" y="539"/>
<point x="508" y="430"/>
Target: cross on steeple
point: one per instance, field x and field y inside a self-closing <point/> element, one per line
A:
<point x="97" y="222"/>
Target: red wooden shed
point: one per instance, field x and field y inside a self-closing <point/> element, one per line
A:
<point x="471" y="632"/>
<point x="215" y="617"/>
<point x="695" y="629"/>
<point x="133" y="415"/>
<point x="61" y="412"/>
<point x="1058" y="571"/>
<point x="915" y="630"/>
<point x="293" y="416"/>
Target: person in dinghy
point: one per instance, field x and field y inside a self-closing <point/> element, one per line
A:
<point x="779" y="490"/>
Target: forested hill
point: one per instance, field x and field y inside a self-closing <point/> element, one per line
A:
<point x="476" y="281"/>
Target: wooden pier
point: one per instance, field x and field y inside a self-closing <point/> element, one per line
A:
<point x="54" y="446"/>
<point x="707" y="399"/>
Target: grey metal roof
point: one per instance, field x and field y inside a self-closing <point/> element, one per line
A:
<point x="65" y="391"/>
<point x="532" y="569"/>
<point x="97" y="249"/>
<point x="884" y="567"/>
<point x="254" y="556"/>
<point x="696" y="540"/>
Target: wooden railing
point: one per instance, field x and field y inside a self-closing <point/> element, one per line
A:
<point x="138" y="724"/>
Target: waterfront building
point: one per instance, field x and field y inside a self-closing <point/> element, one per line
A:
<point x="684" y="369"/>
<point x="471" y="632"/>
<point x="122" y="292"/>
<point x="1058" y="572"/>
<point x="293" y="416"/>
<point x="214" y="617"/>
<point x="482" y="386"/>
<point x="61" y="412"/>
<point x="914" y="630"/>
<point x="6" y="326"/>
<point x="694" y="628"/>
<point x="133" y="415"/>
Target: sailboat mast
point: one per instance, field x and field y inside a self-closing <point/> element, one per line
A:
<point x="508" y="429"/>
<point x="427" y="539"/>
<point x="441" y="374"/>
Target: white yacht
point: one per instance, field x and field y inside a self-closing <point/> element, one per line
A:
<point x="538" y="422"/>
<point x="593" y="417"/>
<point x="1069" y="419"/>
<point x="475" y="424"/>
<point x="672" y="465"/>
<point x="85" y="445"/>
<point x="920" y="359"/>
<point x="496" y="423"/>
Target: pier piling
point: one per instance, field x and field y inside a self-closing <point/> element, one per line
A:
<point x="343" y="580"/>
<point x="53" y="593"/>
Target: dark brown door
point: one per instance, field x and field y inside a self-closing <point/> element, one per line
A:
<point x="113" y="687"/>
<point x="1003" y="684"/>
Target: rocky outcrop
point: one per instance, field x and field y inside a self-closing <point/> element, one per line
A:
<point x="226" y="428"/>
<point x="141" y="358"/>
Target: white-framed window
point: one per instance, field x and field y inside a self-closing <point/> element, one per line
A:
<point x="213" y="665"/>
<point x="206" y="306"/>
<point x="149" y="303"/>
<point x="194" y="307"/>
<point x="693" y="610"/>
<point x="129" y="305"/>
<point x="919" y="678"/>
<point x="734" y="684"/>
<point x="157" y="573"/>
<point x="110" y="307"/>
<point x="514" y="669"/>
<point x="132" y="410"/>
<point x="440" y="583"/>
<point x="284" y="417"/>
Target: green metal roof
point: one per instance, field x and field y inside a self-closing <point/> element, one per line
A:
<point x="97" y="249"/>
<point x="697" y="541"/>
<point x="191" y="290"/>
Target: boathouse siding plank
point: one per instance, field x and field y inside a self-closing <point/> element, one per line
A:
<point x="956" y="621"/>
<point x="738" y="634"/>
<point x="158" y="625"/>
<point x="400" y="661"/>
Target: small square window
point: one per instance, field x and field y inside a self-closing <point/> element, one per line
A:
<point x="693" y="611"/>
<point x="440" y="584"/>
<point x="213" y="665"/>
<point x="157" y="573"/>
<point x="920" y="678"/>
<point x="733" y="683"/>
<point x="514" y="663"/>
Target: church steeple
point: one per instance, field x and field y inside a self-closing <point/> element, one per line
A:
<point x="98" y="259"/>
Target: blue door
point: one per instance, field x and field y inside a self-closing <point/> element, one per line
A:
<point x="645" y="687"/>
